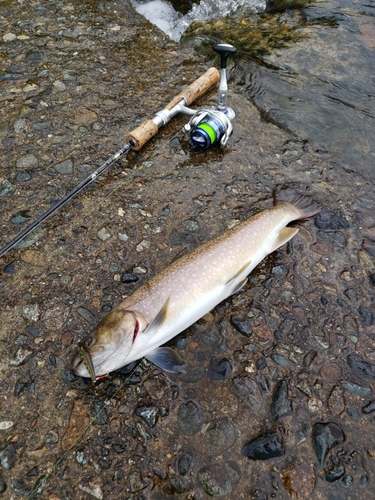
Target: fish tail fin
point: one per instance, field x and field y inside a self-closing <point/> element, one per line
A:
<point x="306" y="206"/>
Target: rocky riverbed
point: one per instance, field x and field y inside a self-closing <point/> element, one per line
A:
<point x="278" y="398"/>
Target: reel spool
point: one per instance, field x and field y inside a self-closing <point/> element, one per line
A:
<point x="210" y="126"/>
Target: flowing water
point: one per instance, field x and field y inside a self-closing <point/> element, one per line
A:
<point x="317" y="79"/>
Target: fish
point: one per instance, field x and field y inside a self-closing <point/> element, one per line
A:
<point x="187" y="289"/>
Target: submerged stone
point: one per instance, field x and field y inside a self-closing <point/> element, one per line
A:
<point x="190" y="418"/>
<point x="281" y="404"/>
<point x="264" y="447"/>
<point x="148" y="413"/>
<point x="325" y="437"/>
<point x="249" y="391"/>
<point x="361" y="367"/>
<point x="242" y="326"/>
<point x="218" y="480"/>
<point x="369" y="408"/>
<point x="184" y="464"/>
<point x="220" y="436"/>
<point x="219" y="368"/>
<point x="335" y="473"/>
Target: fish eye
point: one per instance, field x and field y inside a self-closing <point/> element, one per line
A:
<point x="89" y="341"/>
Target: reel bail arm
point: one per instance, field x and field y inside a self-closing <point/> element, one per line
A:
<point x="208" y="126"/>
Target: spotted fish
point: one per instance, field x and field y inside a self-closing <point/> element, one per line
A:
<point x="188" y="289"/>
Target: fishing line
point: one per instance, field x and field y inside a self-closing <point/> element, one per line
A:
<point x="44" y="479"/>
<point x="49" y="249"/>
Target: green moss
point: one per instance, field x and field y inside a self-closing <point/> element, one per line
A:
<point x="250" y="34"/>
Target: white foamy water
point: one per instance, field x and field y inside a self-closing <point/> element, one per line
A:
<point x="163" y="15"/>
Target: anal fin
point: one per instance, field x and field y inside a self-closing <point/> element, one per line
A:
<point x="283" y="237"/>
<point x="167" y="359"/>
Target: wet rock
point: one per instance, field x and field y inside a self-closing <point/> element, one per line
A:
<point x="81" y="457"/>
<point x="242" y="326"/>
<point x="20" y="217"/>
<point x="366" y="315"/>
<point x="100" y="412"/>
<point x="193" y="374"/>
<point x="68" y="375"/>
<point x="136" y="482"/>
<point x="85" y="116"/>
<point x="21" y="357"/>
<point x="316" y="337"/>
<point x="372" y="279"/>
<point x="184" y="464"/>
<point x="355" y="389"/>
<point x="336" y="401"/>
<point x="335" y="473"/>
<point x="264" y="447"/>
<point x="87" y="315"/>
<point x="21" y="386"/>
<point x="249" y="392"/>
<point x="329" y="220"/>
<point x="360" y="367"/>
<point x="3" y="485"/>
<point x="347" y="480"/>
<point x="129" y="278"/>
<point x="325" y="437"/>
<point x="154" y="388"/>
<point x="330" y="372"/>
<point x="281" y="404"/>
<point x="93" y="490"/>
<point x="5" y="187"/>
<point x="8" y="456"/>
<point x="280" y="359"/>
<point x="31" y="312"/>
<point x="23" y="176"/>
<point x="369" y="246"/>
<point x="148" y="413"/>
<point x="369" y="408"/>
<point x="190" y="418"/>
<point x="309" y="358"/>
<point x="20" y="488"/>
<point x="78" y="421"/>
<point x="103" y="234"/>
<point x="176" y="485"/>
<point x="299" y="478"/>
<point x="218" y="480"/>
<point x="282" y="5"/>
<point x="55" y="317"/>
<point x="6" y="424"/>
<point x="51" y="438"/>
<point x="219" y="368"/>
<point x="220" y="435"/>
<point x="27" y="162"/>
<point x="222" y="400"/>
<point x="10" y="268"/>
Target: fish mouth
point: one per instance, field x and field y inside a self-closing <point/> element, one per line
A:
<point x="82" y="363"/>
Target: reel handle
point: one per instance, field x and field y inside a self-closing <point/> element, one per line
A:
<point x="148" y="129"/>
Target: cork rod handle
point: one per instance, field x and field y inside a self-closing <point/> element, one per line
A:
<point x="148" y="129"/>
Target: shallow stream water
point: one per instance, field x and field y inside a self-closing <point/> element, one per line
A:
<point x="287" y="364"/>
<point x="317" y="80"/>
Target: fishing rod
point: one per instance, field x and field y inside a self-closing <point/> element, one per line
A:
<point x="206" y="127"/>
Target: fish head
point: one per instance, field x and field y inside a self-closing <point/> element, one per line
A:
<point x="109" y="344"/>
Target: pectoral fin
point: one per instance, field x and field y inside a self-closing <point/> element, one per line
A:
<point x="159" y="318"/>
<point x="232" y="280"/>
<point x="285" y="235"/>
<point x="233" y="285"/>
<point x="167" y="359"/>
